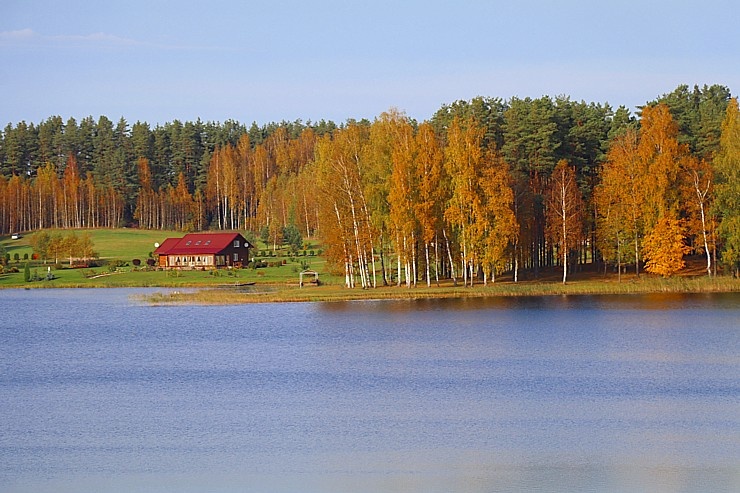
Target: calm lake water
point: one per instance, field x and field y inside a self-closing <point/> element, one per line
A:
<point x="572" y="394"/>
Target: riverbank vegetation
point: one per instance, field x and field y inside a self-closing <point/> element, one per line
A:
<point x="236" y="295"/>
<point x="484" y="191"/>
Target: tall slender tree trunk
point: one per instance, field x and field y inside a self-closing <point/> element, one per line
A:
<point x="449" y="257"/>
<point x="426" y="254"/>
<point x="436" y="258"/>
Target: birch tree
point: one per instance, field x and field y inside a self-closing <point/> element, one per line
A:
<point x="564" y="207"/>
<point x="498" y="219"/>
<point x="463" y="159"/>
<point x="432" y="191"/>
<point x="402" y="198"/>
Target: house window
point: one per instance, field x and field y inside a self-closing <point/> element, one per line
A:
<point x="236" y="243"/>
<point x="188" y="243"/>
<point x="208" y="242"/>
<point x="197" y="243"/>
<point x="236" y="257"/>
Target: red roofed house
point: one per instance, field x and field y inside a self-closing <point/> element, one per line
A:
<point x="204" y="251"/>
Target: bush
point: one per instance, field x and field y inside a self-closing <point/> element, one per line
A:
<point x="26" y="272"/>
<point x="136" y="262"/>
<point x="25" y="256"/>
<point x="114" y="265"/>
<point x="151" y="262"/>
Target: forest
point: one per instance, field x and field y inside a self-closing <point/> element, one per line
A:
<point x="483" y="187"/>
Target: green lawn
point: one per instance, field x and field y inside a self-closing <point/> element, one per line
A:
<point x="127" y="244"/>
<point x="124" y="244"/>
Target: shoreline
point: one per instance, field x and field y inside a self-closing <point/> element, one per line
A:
<point x="204" y="295"/>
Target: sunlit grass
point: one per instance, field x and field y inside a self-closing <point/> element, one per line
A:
<point x="337" y="293"/>
<point x="279" y="282"/>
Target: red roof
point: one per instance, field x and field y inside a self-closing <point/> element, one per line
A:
<point x="166" y="246"/>
<point x="200" y="244"/>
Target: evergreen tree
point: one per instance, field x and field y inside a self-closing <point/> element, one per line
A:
<point x="727" y="169"/>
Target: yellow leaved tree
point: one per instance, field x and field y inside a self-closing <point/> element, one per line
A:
<point x="665" y="247"/>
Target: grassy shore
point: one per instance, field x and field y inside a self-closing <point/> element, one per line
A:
<point x="266" y="294"/>
<point x="279" y="281"/>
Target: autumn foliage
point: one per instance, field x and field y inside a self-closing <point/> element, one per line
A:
<point x="483" y="187"/>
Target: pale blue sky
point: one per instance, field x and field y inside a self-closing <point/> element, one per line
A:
<point x="275" y="60"/>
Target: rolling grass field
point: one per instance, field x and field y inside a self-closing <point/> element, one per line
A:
<point x="124" y="245"/>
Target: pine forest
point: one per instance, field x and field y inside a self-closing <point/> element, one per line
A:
<point x="483" y="187"/>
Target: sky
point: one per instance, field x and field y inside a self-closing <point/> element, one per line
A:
<point x="274" y="60"/>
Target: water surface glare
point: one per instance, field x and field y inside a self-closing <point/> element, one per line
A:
<point x="99" y="393"/>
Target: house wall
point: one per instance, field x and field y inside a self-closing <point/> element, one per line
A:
<point x="191" y="261"/>
<point x="234" y="256"/>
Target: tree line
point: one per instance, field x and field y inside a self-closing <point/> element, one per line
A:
<point x="484" y="186"/>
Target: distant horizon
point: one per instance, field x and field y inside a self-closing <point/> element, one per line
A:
<point x="309" y="122"/>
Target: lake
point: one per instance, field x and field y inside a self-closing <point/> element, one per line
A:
<point x="99" y="393"/>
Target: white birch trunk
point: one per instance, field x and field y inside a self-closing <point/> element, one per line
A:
<point x="449" y="257"/>
<point x="426" y="253"/>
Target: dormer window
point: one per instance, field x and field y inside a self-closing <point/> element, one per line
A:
<point x="197" y="243"/>
<point x="188" y="243"/>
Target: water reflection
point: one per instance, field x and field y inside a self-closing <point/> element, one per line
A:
<point x="653" y="301"/>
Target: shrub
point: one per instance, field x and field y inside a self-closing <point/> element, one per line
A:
<point x="151" y="262"/>
<point x="136" y="262"/>
<point x="26" y="272"/>
<point x="115" y="264"/>
<point x="25" y="256"/>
